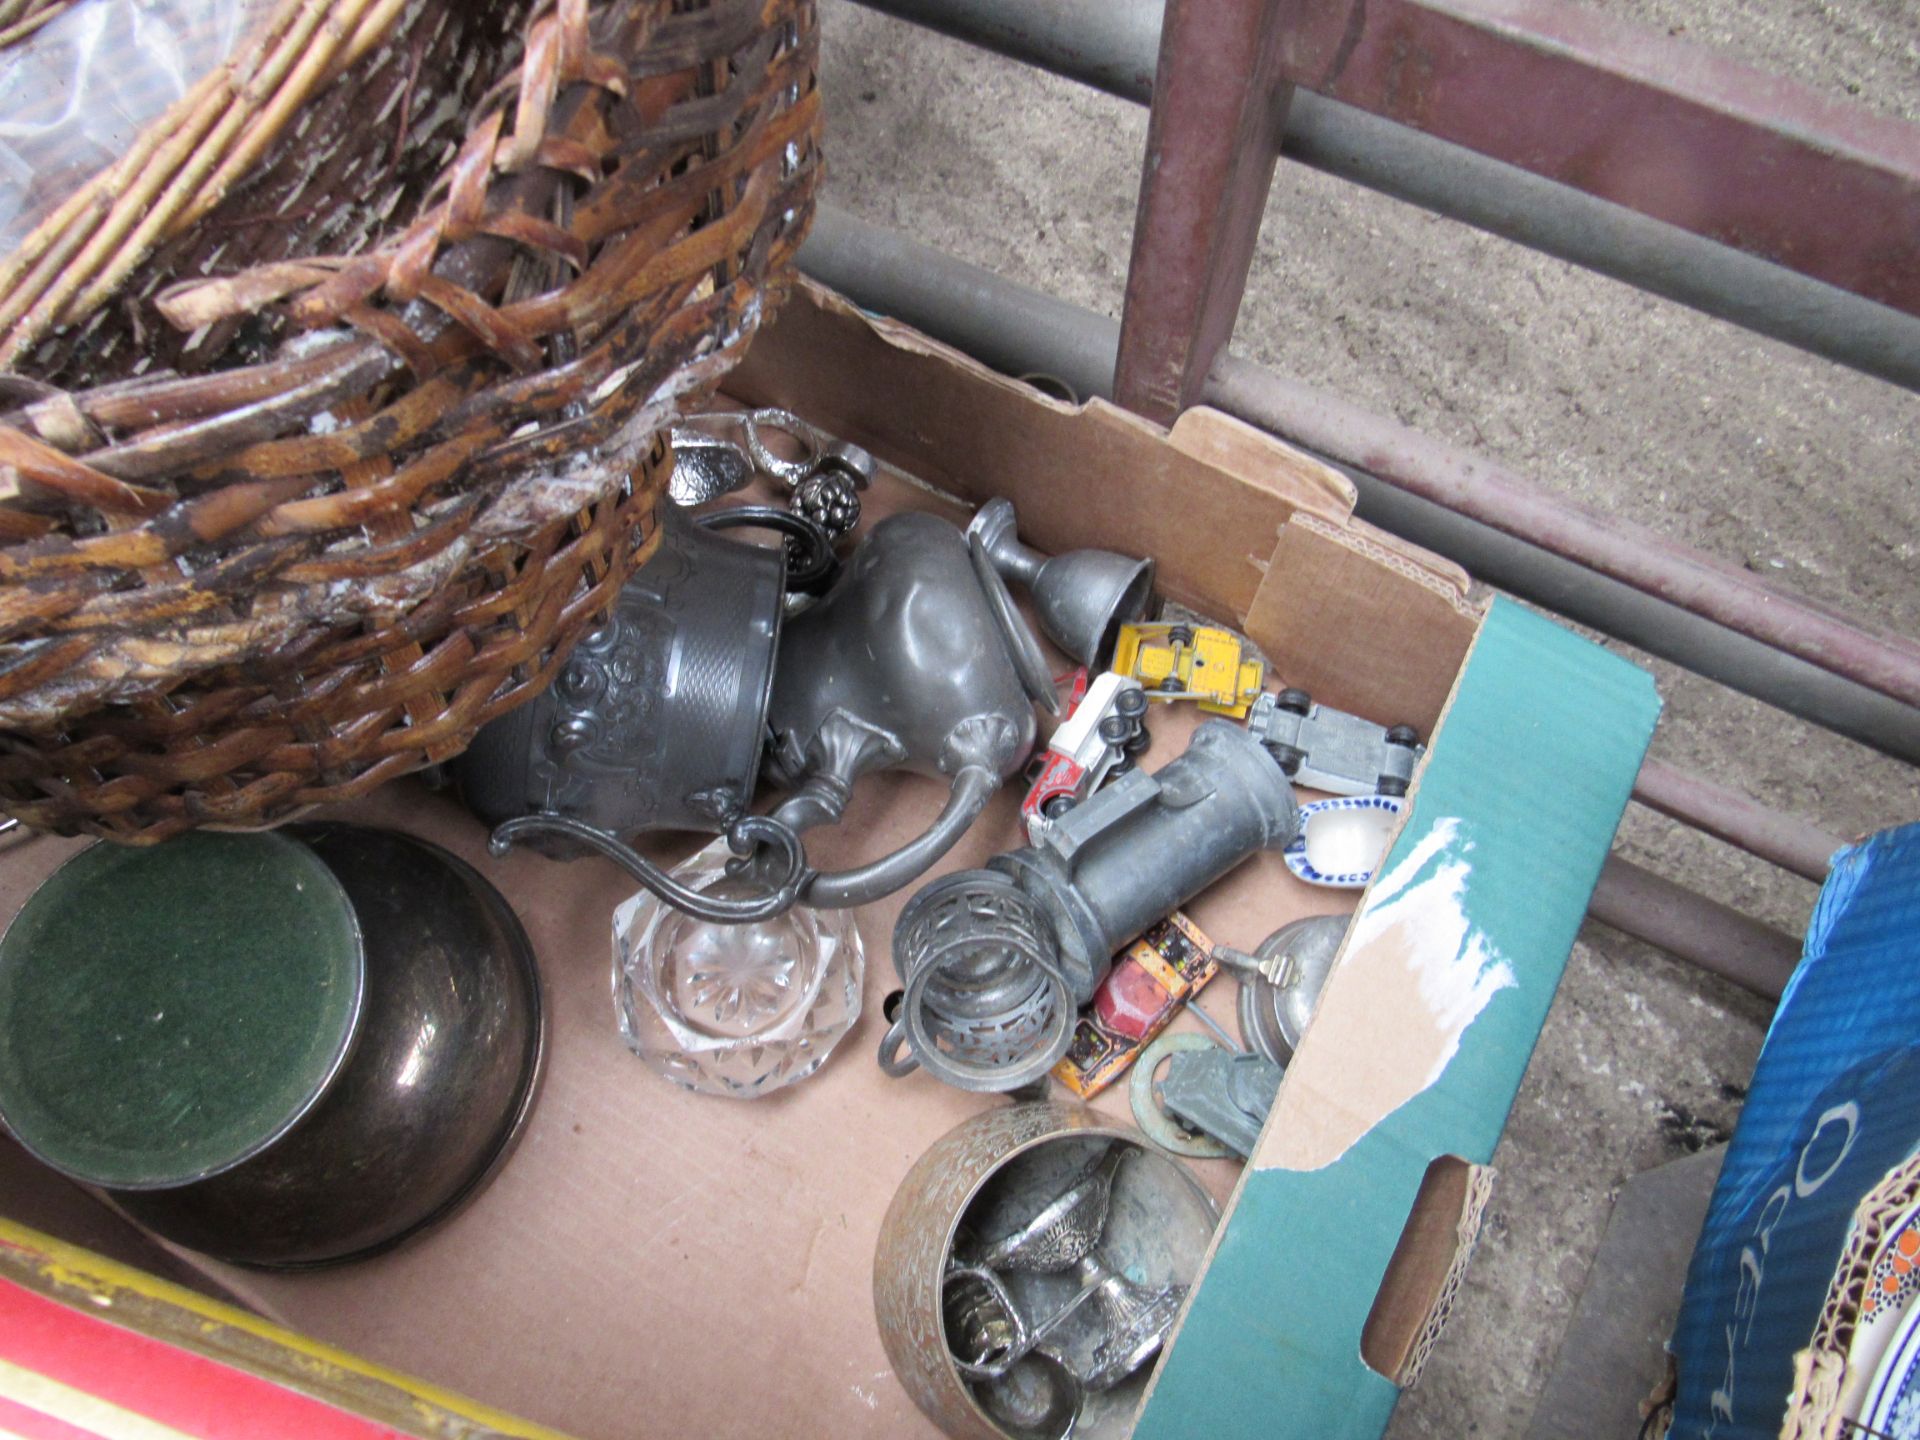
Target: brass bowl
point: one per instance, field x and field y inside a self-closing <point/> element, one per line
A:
<point x="986" y="1178"/>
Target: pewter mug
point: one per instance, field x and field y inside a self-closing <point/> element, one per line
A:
<point x="656" y="721"/>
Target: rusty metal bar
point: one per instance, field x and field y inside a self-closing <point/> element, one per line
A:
<point x="1112" y="45"/>
<point x="1784" y="840"/>
<point x="1619" y="549"/>
<point x="1670" y="129"/>
<point x="1017" y="329"/>
<point x="1203" y="190"/>
<point x="1716" y="937"/>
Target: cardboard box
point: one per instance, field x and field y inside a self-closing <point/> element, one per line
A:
<point x="1822" y="1172"/>
<point x="653" y="1261"/>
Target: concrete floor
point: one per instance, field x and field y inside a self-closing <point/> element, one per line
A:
<point x="1738" y="445"/>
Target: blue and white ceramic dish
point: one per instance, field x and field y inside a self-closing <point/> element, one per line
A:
<point x="1892" y="1405"/>
<point x="1342" y="841"/>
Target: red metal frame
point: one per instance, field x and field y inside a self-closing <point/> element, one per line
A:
<point x="1784" y="840"/>
<point x="1636" y="117"/>
<point x="1217" y="105"/>
<point x="1685" y="136"/>
<point x="1670" y="129"/>
<point x="1487" y="491"/>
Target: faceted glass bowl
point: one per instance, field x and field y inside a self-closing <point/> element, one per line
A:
<point x="738" y="1010"/>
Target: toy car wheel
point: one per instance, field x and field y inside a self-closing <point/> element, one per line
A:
<point x="1054" y="806"/>
<point x="1288" y="757"/>
<point x="1295" y="702"/>
<point x="1403" y="735"/>
<point x="1180" y="635"/>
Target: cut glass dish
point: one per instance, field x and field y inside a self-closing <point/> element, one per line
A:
<point x="738" y="1010"/>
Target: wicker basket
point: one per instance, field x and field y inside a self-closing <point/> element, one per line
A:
<point x="268" y="156"/>
<point x="228" y="596"/>
<point x="20" y="18"/>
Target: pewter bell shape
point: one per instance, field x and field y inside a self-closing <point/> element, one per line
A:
<point x="1082" y="598"/>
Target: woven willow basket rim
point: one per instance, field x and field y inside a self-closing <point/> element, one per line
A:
<point x="183" y="164"/>
<point x="620" y="219"/>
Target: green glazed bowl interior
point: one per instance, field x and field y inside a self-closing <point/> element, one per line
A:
<point x="166" y="1013"/>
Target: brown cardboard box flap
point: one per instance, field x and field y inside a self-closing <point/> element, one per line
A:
<point x="1386" y="651"/>
<point x="1237" y="448"/>
<point x="1208" y="507"/>
<point x="1243" y="526"/>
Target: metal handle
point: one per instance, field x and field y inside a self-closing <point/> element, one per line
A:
<point x="973" y="786"/>
<point x="892" y="1062"/>
<point x="817" y="566"/>
<point x="788" y="472"/>
<point x="1023" y="648"/>
<point x="742" y="836"/>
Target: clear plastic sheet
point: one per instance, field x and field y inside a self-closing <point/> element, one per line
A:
<point x="78" y="92"/>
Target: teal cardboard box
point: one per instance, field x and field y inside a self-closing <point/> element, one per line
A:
<point x="1374" y="1150"/>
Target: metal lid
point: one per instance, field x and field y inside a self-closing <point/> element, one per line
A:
<point x="1273" y="1016"/>
<point x="167" y="1012"/>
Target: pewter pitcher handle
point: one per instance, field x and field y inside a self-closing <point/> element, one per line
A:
<point x="973" y="786"/>
<point x="743" y="835"/>
<point x="811" y="566"/>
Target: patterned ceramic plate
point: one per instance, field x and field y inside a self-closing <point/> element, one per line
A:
<point x="1342" y="840"/>
<point x="1888" y="1295"/>
<point x="1893" y="1399"/>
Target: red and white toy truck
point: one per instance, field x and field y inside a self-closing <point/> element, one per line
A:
<point x="1103" y="726"/>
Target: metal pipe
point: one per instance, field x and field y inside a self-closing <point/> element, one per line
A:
<point x="1648" y="624"/>
<point x="1017" y="330"/>
<point x="1619" y="549"/>
<point x="1009" y="327"/>
<point x="1218" y="103"/>
<point x="1784" y="840"/>
<point x="1605" y="238"/>
<point x="1112" y="45"/>
<point x="1715" y="937"/>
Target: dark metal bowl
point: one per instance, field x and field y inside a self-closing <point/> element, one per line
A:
<point x="439" y="1080"/>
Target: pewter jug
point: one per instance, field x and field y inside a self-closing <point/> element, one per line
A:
<point x="915" y="659"/>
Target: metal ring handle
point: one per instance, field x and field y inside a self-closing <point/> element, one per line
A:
<point x="892" y="1062"/>
<point x="820" y="565"/>
<point x="788" y="472"/>
<point x="1054" y="1044"/>
<point x="742" y="836"/>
